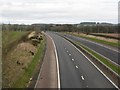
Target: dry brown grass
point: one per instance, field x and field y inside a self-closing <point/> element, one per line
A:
<point x="98" y="37"/>
<point x="17" y="60"/>
<point x="110" y="34"/>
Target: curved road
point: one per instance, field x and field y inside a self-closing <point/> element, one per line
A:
<point x="110" y="54"/>
<point x="76" y="71"/>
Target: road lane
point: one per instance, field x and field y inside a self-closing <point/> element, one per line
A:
<point x="75" y="70"/>
<point x="105" y="52"/>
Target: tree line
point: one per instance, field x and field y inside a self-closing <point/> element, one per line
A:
<point x="85" y="27"/>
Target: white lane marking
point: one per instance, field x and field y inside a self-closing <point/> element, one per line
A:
<point x="82" y="78"/>
<point x="103" y="56"/>
<point x="65" y="48"/>
<point x="58" y="72"/>
<point x="76" y="66"/>
<point x="70" y="54"/>
<point x="86" y="86"/>
<point x="72" y="59"/>
<point x="101" y="45"/>
<point x="93" y="65"/>
<point x="67" y="51"/>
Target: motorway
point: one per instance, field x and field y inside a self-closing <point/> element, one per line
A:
<point x="76" y="70"/>
<point x="102" y="50"/>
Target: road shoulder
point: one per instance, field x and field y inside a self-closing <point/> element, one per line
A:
<point x="48" y="74"/>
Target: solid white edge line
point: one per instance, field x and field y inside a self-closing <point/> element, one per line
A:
<point x="93" y="64"/>
<point x="104" y="56"/>
<point x="102" y="62"/>
<point x="101" y="54"/>
<point x="58" y="73"/>
<point x="100" y="45"/>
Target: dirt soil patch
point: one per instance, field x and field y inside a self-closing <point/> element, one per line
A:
<point x="16" y="62"/>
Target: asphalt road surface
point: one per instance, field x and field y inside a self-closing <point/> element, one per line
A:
<point x="76" y="71"/>
<point x="110" y="54"/>
<point x="48" y="73"/>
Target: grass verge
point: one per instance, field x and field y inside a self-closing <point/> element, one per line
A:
<point x="102" y="59"/>
<point x="9" y="37"/>
<point x="99" y="41"/>
<point x="22" y="82"/>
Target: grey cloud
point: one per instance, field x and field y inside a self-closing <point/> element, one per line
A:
<point x="64" y="11"/>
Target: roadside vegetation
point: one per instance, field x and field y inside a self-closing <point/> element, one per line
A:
<point x="114" y="43"/>
<point x="21" y="56"/>
<point x="25" y="79"/>
<point x="0" y="46"/>
<point x="10" y="38"/>
<point x="107" y="35"/>
<point x="0" y="58"/>
<point x="102" y="30"/>
<point x="114" y="67"/>
<point x="106" y="62"/>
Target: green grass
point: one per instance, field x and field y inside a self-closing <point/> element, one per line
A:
<point x="0" y="38"/>
<point x="102" y="59"/>
<point x="24" y="79"/>
<point x="9" y="37"/>
<point x="100" y="41"/>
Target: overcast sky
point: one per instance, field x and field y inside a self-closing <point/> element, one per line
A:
<point x="58" y="11"/>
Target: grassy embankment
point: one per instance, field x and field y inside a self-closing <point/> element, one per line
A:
<point x="24" y="79"/>
<point x="19" y="64"/>
<point x="0" y="46"/>
<point x="9" y="37"/>
<point x="114" y="44"/>
<point x="0" y="59"/>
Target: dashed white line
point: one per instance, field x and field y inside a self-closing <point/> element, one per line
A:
<point x="67" y="51"/>
<point x="82" y="78"/>
<point x="76" y="66"/>
<point x="103" y="56"/>
<point x="94" y="66"/>
<point x="72" y="59"/>
<point x="65" y="48"/>
<point x="70" y="54"/>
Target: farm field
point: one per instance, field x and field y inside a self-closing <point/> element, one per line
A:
<point x="112" y="35"/>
